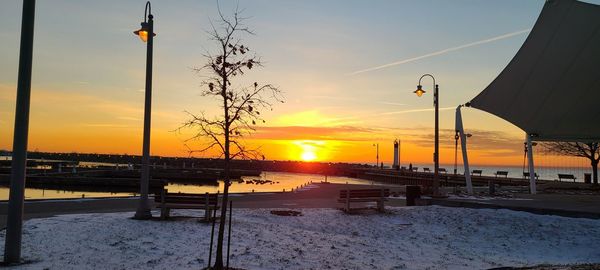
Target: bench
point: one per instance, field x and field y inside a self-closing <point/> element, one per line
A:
<point x="442" y="170"/>
<point x="364" y="195"/>
<point x="414" y="169"/>
<point x="476" y="172"/>
<point x="566" y="176"/>
<point x="526" y="175"/>
<point x="501" y="173"/>
<point x="167" y="201"/>
<point x="426" y="169"/>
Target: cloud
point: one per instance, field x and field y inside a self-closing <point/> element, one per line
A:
<point x="444" y="51"/>
<point x="417" y="110"/>
<point x="106" y="125"/>
<point x="488" y="143"/>
<point x="345" y="98"/>
<point x="129" y="118"/>
<point x="338" y="133"/>
<point x="332" y="97"/>
<point x="392" y="103"/>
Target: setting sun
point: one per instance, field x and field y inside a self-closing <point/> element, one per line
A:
<point x="308" y="150"/>
<point x="308" y="155"/>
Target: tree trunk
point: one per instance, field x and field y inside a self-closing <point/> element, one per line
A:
<point x="595" y="171"/>
<point x="219" y="257"/>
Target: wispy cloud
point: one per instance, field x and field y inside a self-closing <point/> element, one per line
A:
<point x="129" y="118"/>
<point x="392" y="103"/>
<point x="331" y="97"/>
<point x="344" y="133"/>
<point x="106" y="125"/>
<point x="417" y="110"/>
<point x="464" y="46"/>
<point x="344" y="98"/>
<point x="488" y="143"/>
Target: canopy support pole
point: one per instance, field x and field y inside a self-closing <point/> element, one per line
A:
<point x="532" y="189"/>
<point x="463" y="147"/>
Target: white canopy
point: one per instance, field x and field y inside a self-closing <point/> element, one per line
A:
<point x="551" y="88"/>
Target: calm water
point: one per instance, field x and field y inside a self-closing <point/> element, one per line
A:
<point x="546" y="173"/>
<point x="288" y="181"/>
<point x="280" y="181"/>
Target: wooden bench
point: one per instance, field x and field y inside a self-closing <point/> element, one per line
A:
<point x="426" y="169"/>
<point x="414" y="169"/>
<point x="167" y="201"/>
<point x="501" y="173"/>
<point x="442" y="170"/>
<point x="364" y="195"/>
<point x="526" y="175"/>
<point x="562" y="176"/>
<point x="474" y="172"/>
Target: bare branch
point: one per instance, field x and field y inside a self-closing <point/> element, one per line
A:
<point x="242" y="106"/>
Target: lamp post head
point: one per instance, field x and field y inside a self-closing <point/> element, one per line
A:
<point x="143" y="32"/>
<point x="419" y="91"/>
<point x="146" y="25"/>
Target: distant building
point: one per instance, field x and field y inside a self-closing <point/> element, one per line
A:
<point x="396" y="164"/>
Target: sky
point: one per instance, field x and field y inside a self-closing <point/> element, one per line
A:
<point x="348" y="70"/>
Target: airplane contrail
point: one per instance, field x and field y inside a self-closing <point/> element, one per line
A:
<point x="512" y="34"/>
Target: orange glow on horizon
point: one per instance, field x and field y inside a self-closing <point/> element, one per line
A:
<point x="107" y="126"/>
<point x="308" y="150"/>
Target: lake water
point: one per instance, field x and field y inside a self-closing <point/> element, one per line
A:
<point x="280" y="182"/>
<point x="288" y="181"/>
<point x="544" y="172"/>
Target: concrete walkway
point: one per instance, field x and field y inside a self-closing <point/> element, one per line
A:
<point x="315" y="196"/>
<point x="579" y="206"/>
<point x="324" y="195"/>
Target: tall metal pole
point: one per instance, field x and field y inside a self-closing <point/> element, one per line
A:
<point x="532" y="188"/>
<point x="436" y="156"/>
<point x="524" y="156"/>
<point x="463" y="145"/>
<point x="14" y="219"/>
<point x="143" y="211"/>
<point x="455" y="151"/>
<point x="377" y="156"/>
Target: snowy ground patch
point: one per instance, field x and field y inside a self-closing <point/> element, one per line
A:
<point x="431" y="237"/>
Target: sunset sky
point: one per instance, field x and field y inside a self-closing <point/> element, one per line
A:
<point x="348" y="70"/>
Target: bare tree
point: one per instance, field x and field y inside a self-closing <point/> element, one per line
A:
<point x="241" y="105"/>
<point x="589" y="150"/>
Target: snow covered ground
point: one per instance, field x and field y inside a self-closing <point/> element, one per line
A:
<point x="429" y="237"/>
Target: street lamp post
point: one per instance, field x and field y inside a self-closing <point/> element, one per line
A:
<point x="377" y="155"/>
<point x="525" y="154"/>
<point x="455" y="151"/>
<point x="456" y="137"/>
<point x="436" y="161"/>
<point x="14" y="214"/>
<point x="146" y="34"/>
